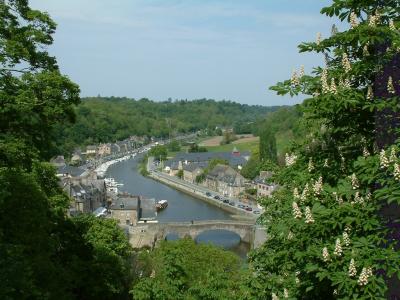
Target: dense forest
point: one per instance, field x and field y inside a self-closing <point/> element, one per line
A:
<point x="109" y="119"/>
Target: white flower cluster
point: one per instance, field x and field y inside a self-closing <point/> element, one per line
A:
<point x="290" y="159"/>
<point x="301" y="72"/>
<point x="346" y="239"/>
<point x="346" y="84"/>
<point x="319" y="38"/>
<point x="324" y="81"/>
<point x="326" y="165"/>
<point x="304" y="194"/>
<point x="391" y="25"/>
<point x="325" y="254"/>
<point x="352" y="268"/>
<point x="358" y="199"/>
<point x="290" y="235"/>
<point x="353" y="20"/>
<point x="338" y="248"/>
<point x="396" y="172"/>
<point x="347" y="228"/>
<point x="296" y="211"/>
<point x="366" y="152"/>
<point x="318" y="186"/>
<point x="310" y="165"/>
<point x="296" y="194"/>
<point x="384" y="162"/>
<point x="374" y="19"/>
<point x="368" y="197"/>
<point x="294" y="79"/>
<point x="354" y="182"/>
<point x="346" y="63"/>
<point x="333" y="88"/>
<point x="285" y="293"/>
<point x="370" y="93"/>
<point x="364" y="276"/>
<point x="390" y="86"/>
<point x="309" y="217"/>
<point x="365" y="50"/>
<point x="338" y="199"/>
<point x="393" y="156"/>
<point x="274" y="296"/>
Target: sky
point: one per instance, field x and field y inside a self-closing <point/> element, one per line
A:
<point x="185" y="49"/>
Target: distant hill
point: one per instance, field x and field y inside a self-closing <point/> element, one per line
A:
<point x="102" y="119"/>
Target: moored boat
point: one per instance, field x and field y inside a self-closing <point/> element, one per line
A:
<point x="161" y="204"/>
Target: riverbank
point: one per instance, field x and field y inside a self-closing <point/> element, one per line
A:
<point x="236" y="213"/>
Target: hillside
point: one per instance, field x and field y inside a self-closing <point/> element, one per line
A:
<point x="108" y="119"/>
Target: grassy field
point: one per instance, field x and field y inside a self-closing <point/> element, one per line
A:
<point x="246" y="146"/>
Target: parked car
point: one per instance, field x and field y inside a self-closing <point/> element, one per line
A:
<point x="241" y="206"/>
<point x="248" y="208"/>
<point x="208" y="194"/>
<point x="232" y="203"/>
<point x="225" y="201"/>
<point x="256" y="212"/>
<point x="217" y="197"/>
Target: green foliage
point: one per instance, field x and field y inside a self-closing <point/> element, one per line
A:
<point x="108" y="119"/>
<point x="180" y="174"/>
<point x="159" y="152"/>
<point x="196" y="148"/>
<point x="228" y="137"/>
<point x="268" y="146"/>
<point x="174" y="146"/>
<point x="184" y="270"/>
<point x="336" y="183"/>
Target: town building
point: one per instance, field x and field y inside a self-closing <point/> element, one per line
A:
<point x="125" y="209"/>
<point x="91" y="150"/>
<point x="191" y="171"/>
<point x="225" y="180"/>
<point x="264" y="188"/>
<point x="104" y="149"/>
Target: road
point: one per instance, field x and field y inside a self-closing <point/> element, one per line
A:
<point x="198" y="189"/>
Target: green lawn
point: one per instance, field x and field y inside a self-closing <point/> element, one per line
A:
<point x="249" y="146"/>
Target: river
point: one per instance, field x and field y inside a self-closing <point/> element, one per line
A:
<point x="181" y="207"/>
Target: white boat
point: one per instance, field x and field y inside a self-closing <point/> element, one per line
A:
<point x="161" y="204"/>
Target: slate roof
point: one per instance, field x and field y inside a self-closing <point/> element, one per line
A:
<point x="125" y="203"/>
<point x="193" y="166"/>
<point x="225" y="174"/>
<point x="147" y="209"/>
<point x="199" y="157"/>
<point x="70" y="170"/>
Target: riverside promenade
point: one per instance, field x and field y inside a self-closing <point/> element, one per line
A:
<point x="200" y="193"/>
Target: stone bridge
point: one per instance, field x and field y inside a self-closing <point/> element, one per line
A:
<point x="245" y="229"/>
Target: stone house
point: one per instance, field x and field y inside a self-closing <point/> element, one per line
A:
<point x="125" y="209"/>
<point x="264" y="188"/>
<point x="225" y="180"/>
<point x="104" y="149"/>
<point x="91" y="150"/>
<point x="191" y="171"/>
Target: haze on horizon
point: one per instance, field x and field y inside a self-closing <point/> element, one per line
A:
<point x="220" y="49"/>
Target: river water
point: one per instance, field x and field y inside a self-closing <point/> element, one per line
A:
<point x="181" y="207"/>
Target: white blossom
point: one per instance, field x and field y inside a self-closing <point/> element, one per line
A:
<point x="310" y="165"/>
<point x="370" y="93"/>
<point x="296" y="211"/>
<point x="346" y="63"/>
<point x="318" y="186"/>
<point x="333" y="88"/>
<point x="285" y="293"/>
<point x="290" y="235"/>
<point x="290" y="159"/>
<point x="353" y="20"/>
<point x="324" y="81"/>
<point x="374" y="19"/>
<point x="319" y="38"/>
<point x="301" y="72"/>
<point x="365" y="50"/>
<point x="338" y="199"/>
<point x="352" y="268"/>
<point x="309" y="217"/>
<point x="304" y="194"/>
<point x="295" y="79"/>
<point x="384" y="162"/>
<point x="346" y="239"/>
<point x="391" y="25"/>
<point x="325" y="254"/>
<point x="393" y="156"/>
<point x="296" y="194"/>
<point x="354" y="182"/>
<point x="390" y="86"/>
<point x="346" y="83"/>
<point x="365" y="152"/>
<point x="274" y="296"/>
<point x="338" y="248"/>
<point x="365" y="274"/>
<point x="326" y="165"/>
<point x="347" y="228"/>
<point x="358" y="198"/>
<point x="396" y="171"/>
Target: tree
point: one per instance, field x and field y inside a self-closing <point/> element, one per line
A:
<point x="327" y="236"/>
<point x="174" y="146"/>
<point x="183" y="270"/>
<point x="159" y="152"/>
<point x="268" y="146"/>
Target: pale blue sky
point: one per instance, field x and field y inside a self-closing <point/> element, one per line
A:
<point x="222" y="49"/>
